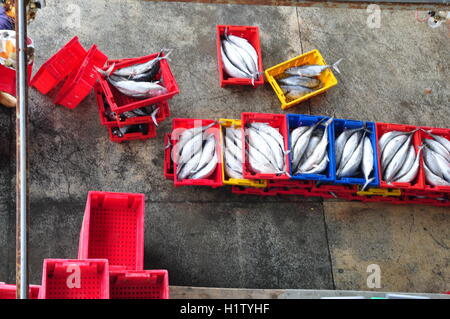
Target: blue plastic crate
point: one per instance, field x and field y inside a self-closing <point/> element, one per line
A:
<point x="296" y="120"/>
<point x="339" y="126"/>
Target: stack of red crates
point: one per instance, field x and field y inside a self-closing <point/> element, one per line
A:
<point x="77" y="69"/>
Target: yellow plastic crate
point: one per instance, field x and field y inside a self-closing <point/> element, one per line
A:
<point x="380" y="191"/>
<point x="233" y="181"/>
<point x="313" y="57"/>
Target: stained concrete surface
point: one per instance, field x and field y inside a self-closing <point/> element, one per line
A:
<point x="202" y="235"/>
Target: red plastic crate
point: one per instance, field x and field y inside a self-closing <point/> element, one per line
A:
<point x="121" y="103"/>
<point x="291" y="183"/>
<point x="423" y="135"/>
<point x="179" y="125"/>
<point x="277" y="121"/>
<point x="9" y="291"/>
<point x="59" y="279"/>
<point x="8" y="76"/>
<point x="133" y="136"/>
<point x="161" y="115"/>
<point x="251" y="34"/>
<point x="145" y="284"/>
<point x="440" y="201"/>
<point x="241" y="190"/>
<point x="80" y="83"/>
<point x="352" y="189"/>
<point x="113" y="228"/>
<point x="63" y="62"/>
<point x="382" y="128"/>
<point x="168" y="164"/>
<point x="426" y="193"/>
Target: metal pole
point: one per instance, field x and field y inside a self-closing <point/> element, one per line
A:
<point x="22" y="198"/>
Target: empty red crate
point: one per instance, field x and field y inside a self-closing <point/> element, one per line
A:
<point x="168" y="164"/>
<point x="9" y="291"/>
<point x="66" y="60"/>
<point x="277" y="121"/>
<point x="383" y="128"/>
<point x="180" y="125"/>
<point x="121" y="103"/>
<point x="145" y="284"/>
<point x="151" y="133"/>
<point x="80" y="82"/>
<point x="8" y="77"/>
<point x="161" y="115"/>
<point x="424" y="135"/>
<point x="251" y="34"/>
<point x="75" y="279"/>
<point x="113" y="228"/>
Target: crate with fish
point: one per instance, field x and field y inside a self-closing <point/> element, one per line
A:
<point x="8" y="291"/>
<point x="310" y="150"/>
<point x="60" y="65"/>
<point x="436" y="158"/>
<point x="138" y="82"/>
<point x="399" y="153"/>
<point x="239" y="55"/>
<point x="301" y="78"/>
<point x="356" y="153"/>
<point x="265" y="146"/>
<point x="168" y="164"/>
<point x="8" y="61"/>
<point x="75" y="279"/>
<point x="196" y="152"/>
<point x="143" y="284"/>
<point x="379" y="191"/>
<point x="231" y="139"/>
<point x="78" y="84"/>
<point x="155" y="114"/>
<point x="113" y="228"/>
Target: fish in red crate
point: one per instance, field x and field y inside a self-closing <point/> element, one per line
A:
<point x="436" y="157"/>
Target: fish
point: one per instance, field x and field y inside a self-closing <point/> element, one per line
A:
<point x="319" y="152"/>
<point x="235" y="57"/>
<point x="302" y="144"/>
<point x="256" y="141"/>
<point x="250" y="64"/>
<point x="341" y="141"/>
<point x="312" y="70"/>
<point x="231" y="69"/>
<point x="275" y="148"/>
<point x="432" y="162"/>
<point x="433" y="179"/>
<point x="412" y="173"/>
<point x="296" y="133"/>
<point x="233" y="162"/>
<point x="391" y="149"/>
<point x="184" y="137"/>
<point x="407" y="165"/>
<point x="186" y="169"/>
<point x="397" y="161"/>
<point x="207" y="170"/>
<point x="438" y="148"/>
<point x="349" y="149"/>
<point x="295" y="92"/>
<point x="444" y="142"/>
<point x="313" y="142"/>
<point x="208" y="152"/>
<point x="386" y="138"/>
<point x="190" y="149"/>
<point x="137" y="69"/>
<point x="139" y="90"/>
<point x="244" y="44"/>
<point x="367" y="161"/>
<point x="317" y="169"/>
<point x="233" y="148"/>
<point x="232" y="173"/>
<point x="269" y="130"/>
<point x="352" y="165"/>
<point x="259" y="163"/>
<point x="310" y="83"/>
<point x="443" y="165"/>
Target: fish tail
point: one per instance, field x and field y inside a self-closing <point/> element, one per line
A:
<point x="335" y="66"/>
<point x="367" y="183"/>
<point x="166" y="52"/>
<point x="153" y="115"/>
<point x="107" y="72"/>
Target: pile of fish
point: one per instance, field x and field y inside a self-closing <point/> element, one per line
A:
<point x="137" y="80"/>
<point x="354" y="154"/>
<point x="399" y="160"/>
<point x="195" y="153"/>
<point x="233" y="153"/>
<point x="436" y="159"/>
<point x="239" y="57"/>
<point x="299" y="81"/>
<point x="266" y="151"/>
<point x="309" y="148"/>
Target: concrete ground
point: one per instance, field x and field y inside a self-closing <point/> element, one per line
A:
<point x="212" y="238"/>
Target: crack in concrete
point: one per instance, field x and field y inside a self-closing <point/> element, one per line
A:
<point x="328" y="246"/>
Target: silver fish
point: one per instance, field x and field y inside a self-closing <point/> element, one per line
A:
<point x="191" y="148"/>
<point x="341" y="141"/>
<point x="317" y="169"/>
<point x="386" y="138"/>
<point x="296" y="133"/>
<point x="233" y="148"/>
<point x="233" y="162"/>
<point x="295" y="92"/>
<point x="397" y="161"/>
<point x="407" y="165"/>
<point x="244" y="44"/>
<point x="231" y="69"/>
<point x="438" y="148"/>
<point x="431" y="162"/>
<point x="349" y="149"/>
<point x="310" y="83"/>
<point x="434" y="179"/>
<point x="137" y="89"/>
<point x="136" y="69"/>
<point x="269" y="130"/>
<point x="351" y="167"/>
<point x="302" y="144"/>
<point x="411" y="175"/>
<point x="206" y="171"/>
<point x="207" y="152"/>
<point x="443" y="165"/>
<point x="259" y="163"/>
<point x="186" y="169"/>
<point x="231" y="173"/>
<point x="391" y="149"/>
<point x="313" y="142"/>
<point x="444" y="142"/>
<point x="235" y="57"/>
<point x="313" y="69"/>
<point x="367" y="161"/>
<point x="252" y="67"/>
<point x="275" y="148"/>
<point x="185" y="137"/>
<point x="256" y="141"/>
